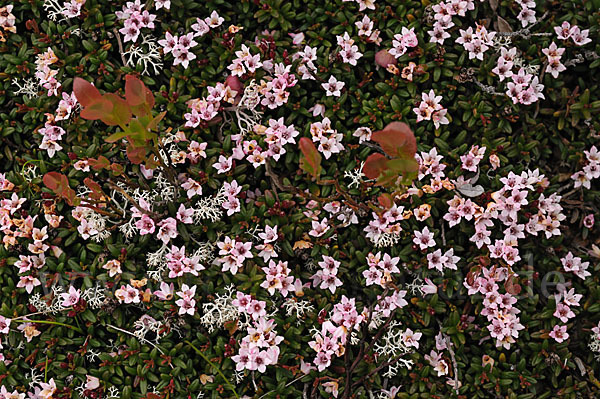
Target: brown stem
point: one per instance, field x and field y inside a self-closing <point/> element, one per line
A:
<point x="381" y="366"/>
<point x="101" y="211"/>
<point x="121" y="51"/>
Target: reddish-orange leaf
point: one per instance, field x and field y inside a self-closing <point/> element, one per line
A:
<point x="52" y="180"/>
<point x="85" y="92"/>
<point x="97" y="110"/>
<point x="117" y="169"/>
<point x="374" y="165"/>
<point x="385" y="200"/>
<point x="119" y="114"/>
<point x="135" y="91"/>
<point x="383" y="58"/>
<point x="136" y="154"/>
<point x="100" y="163"/>
<point x="311" y="156"/>
<point x="95" y="187"/>
<point x="397" y="140"/>
<point x="59" y="184"/>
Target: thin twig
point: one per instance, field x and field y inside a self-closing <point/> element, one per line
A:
<point x="121" y="51"/>
<point x="453" y="359"/>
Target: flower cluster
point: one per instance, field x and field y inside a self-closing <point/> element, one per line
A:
<point x="203" y="26"/>
<point x="327" y="278"/>
<point x="524" y="88"/>
<point x="234" y="253"/>
<point x="66" y="106"/>
<point x="575" y="265"/>
<point x="180" y="48"/>
<point x="278" y="278"/>
<point x="565" y="32"/>
<point x="365" y="29"/>
<point x="380" y="269"/>
<point x="385" y="229"/>
<point x="135" y="19"/>
<point x="51" y="135"/>
<point x="186" y="301"/>
<point x="259" y="348"/>
<point x="179" y="264"/>
<point x="328" y="343"/>
<point x="44" y="74"/>
<point x="590" y="171"/>
<point x="245" y="62"/>
<point x="470" y="161"/>
<point x="565" y="299"/>
<point x="349" y="51"/>
<point x="274" y="88"/>
<point x="7" y="21"/>
<point x="554" y="53"/>
<point x="498" y="308"/>
<point x="476" y="42"/>
<point x="330" y="141"/>
<point x="431" y="109"/>
<point x="403" y="41"/>
<point x="444" y="11"/>
<point x="527" y="14"/>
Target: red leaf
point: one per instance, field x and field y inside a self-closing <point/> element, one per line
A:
<point x="138" y="96"/>
<point x="119" y="114"/>
<point x="85" y="92"/>
<point x="95" y="187"/>
<point x="374" y="165"/>
<point x="311" y="157"/>
<point x="59" y="184"/>
<point x="97" y="110"/>
<point x="385" y="200"/>
<point x="117" y="169"/>
<point x="100" y="163"/>
<point x="383" y="58"/>
<point x="52" y="180"/>
<point x="397" y="140"/>
<point x="136" y="154"/>
<point x="234" y="83"/>
<point x="135" y="91"/>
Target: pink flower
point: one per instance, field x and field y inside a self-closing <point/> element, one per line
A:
<point x="333" y="87"/>
<point x="167" y="230"/>
<point x="319" y="228"/>
<point x="424" y="239"/>
<point x="224" y="165"/>
<point x="429" y="287"/>
<point x="70" y="298"/>
<point x="145" y="225"/>
<point x="436" y="260"/>
<point x="162" y="3"/>
<point x="4" y="325"/>
<point x="563" y="312"/>
<point x="128" y="294"/>
<point x="113" y="266"/>
<point x="166" y="291"/>
<point x="559" y="333"/>
<point x="185" y="215"/>
<point x="200" y="27"/>
<point x="588" y="221"/>
<point x="257" y="309"/>
<point x="29" y="282"/>
<point x="322" y="361"/>
<point x="214" y="21"/>
<point x="192" y="187"/>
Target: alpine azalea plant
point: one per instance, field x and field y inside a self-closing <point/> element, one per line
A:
<point x="353" y="199"/>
